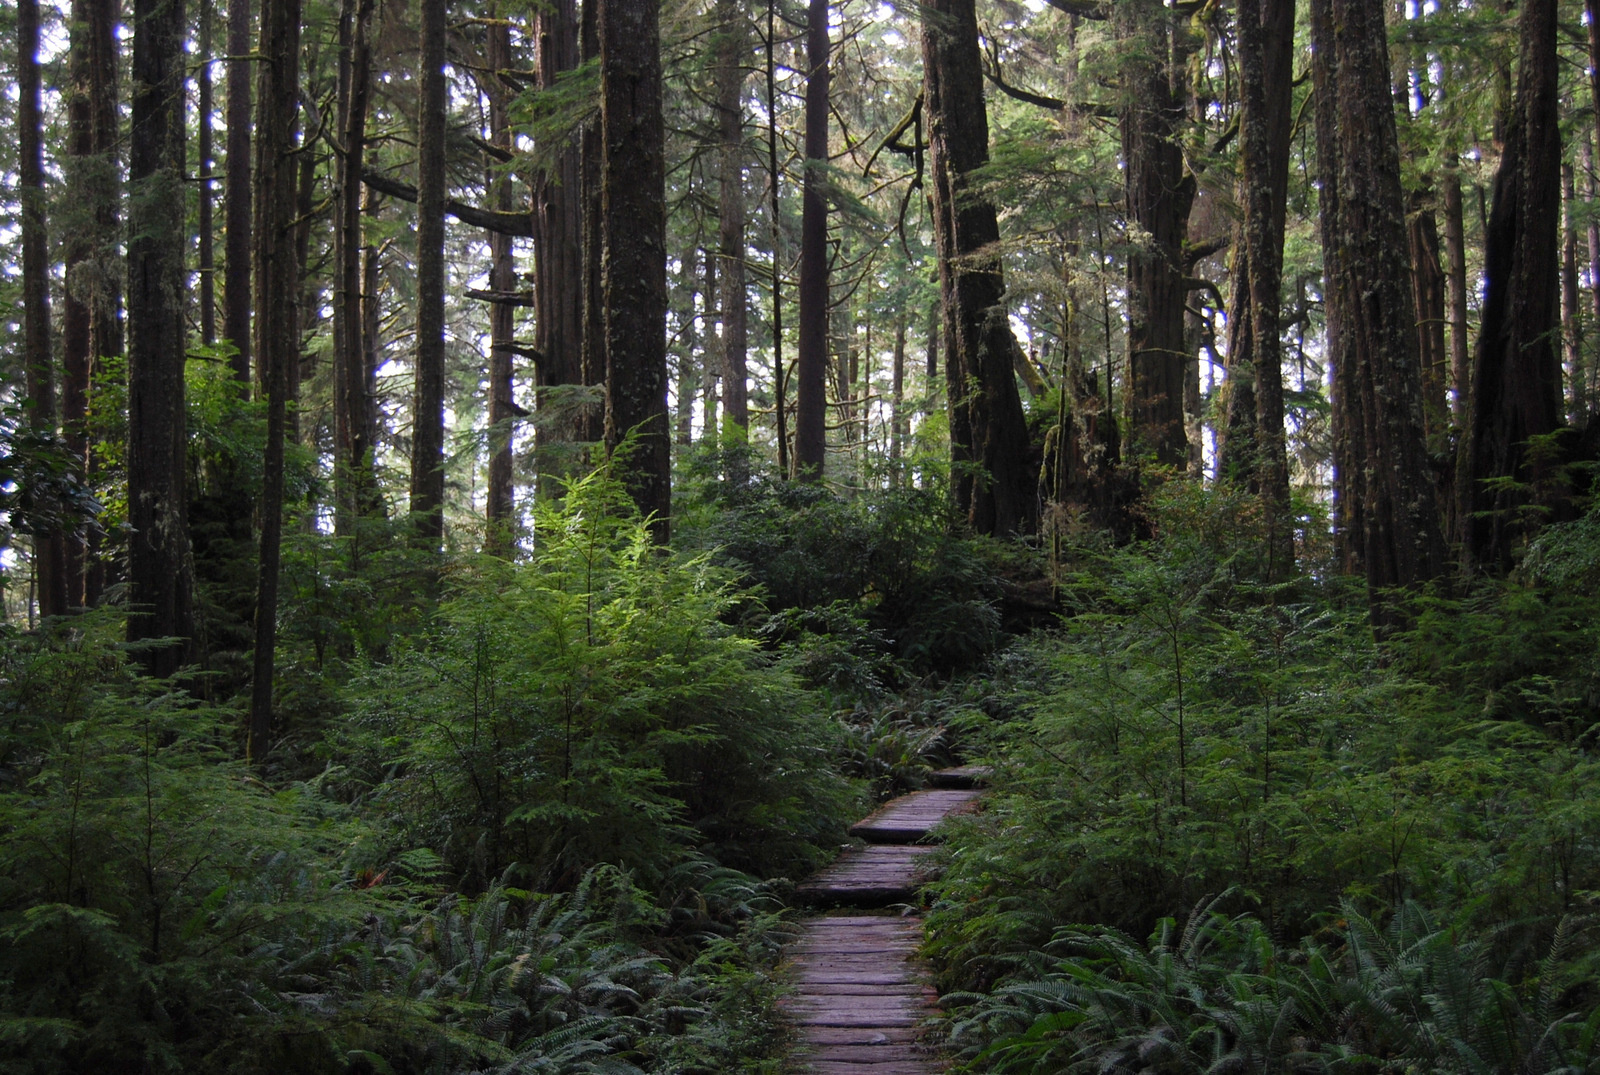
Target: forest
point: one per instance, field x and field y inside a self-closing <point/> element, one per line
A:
<point x="491" y="489"/>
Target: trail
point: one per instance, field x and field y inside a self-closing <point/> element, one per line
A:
<point x="859" y="991"/>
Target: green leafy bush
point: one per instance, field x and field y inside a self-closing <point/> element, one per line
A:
<point x="892" y="557"/>
<point x="589" y="705"/>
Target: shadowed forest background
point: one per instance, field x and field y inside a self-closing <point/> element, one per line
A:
<point x="489" y="491"/>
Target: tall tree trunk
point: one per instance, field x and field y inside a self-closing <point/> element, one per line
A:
<point x="591" y="422"/>
<point x="310" y="304"/>
<point x="427" y="412"/>
<point x="49" y="546"/>
<point x="1160" y="192"/>
<point x="710" y="397"/>
<point x="1236" y="437"/>
<point x="502" y="337"/>
<point x="1571" y="311"/>
<point x="1384" y="485"/>
<point x="780" y="391"/>
<point x="1455" y="247"/>
<point x="1266" y="42"/>
<point x="208" y="261"/>
<point x="236" y="192"/>
<point x="633" y="226"/>
<point x="160" y="568"/>
<point x="1427" y="292"/>
<point x="992" y="480"/>
<point x="731" y="49"/>
<point x="277" y="335"/>
<point x="897" y="397"/>
<point x="92" y="319"/>
<point x="1516" y="384"/>
<point x="371" y="344"/>
<point x="690" y="347"/>
<point x="558" y="248"/>
<point x="354" y="481"/>
<point x="1591" y="189"/>
<point x="811" y="405"/>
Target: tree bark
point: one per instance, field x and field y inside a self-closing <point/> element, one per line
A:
<point x="731" y="48"/>
<point x="49" y="545"/>
<point x="1160" y="192"/>
<point x="160" y="567"/>
<point x="500" y="537"/>
<point x="355" y="484"/>
<point x="1266" y="50"/>
<point x="558" y="247"/>
<point x="811" y="405"/>
<point x="1516" y="383"/>
<point x="591" y="421"/>
<point x="1386" y="500"/>
<point x="207" y="257"/>
<point x="633" y="224"/>
<point x="1428" y="293"/>
<point x="1455" y="246"/>
<point x="427" y="412"/>
<point x="992" y="480"/>
<point x="92" y="320"/>
<point x="780" y="391"/>
<point x="236" y="193"/>
<point x="710" y="384"/>
<point x="897" y="389"/>
<point x="1571" y="312"/>
<point x="277" y="331"/>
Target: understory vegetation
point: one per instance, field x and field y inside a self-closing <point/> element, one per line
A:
<point x="1232" y="833"/>
<point x="542" y="816"/>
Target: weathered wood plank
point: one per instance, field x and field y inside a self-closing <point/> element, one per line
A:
<point x="859" y="994"/>
<point x="863" y="1054"/>
<point x="858" y="1035"/>
<point x="909" y="818"/>
<point x="960" y="776"/>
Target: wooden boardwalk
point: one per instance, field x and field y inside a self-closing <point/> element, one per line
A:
<point x="859" y="994"/>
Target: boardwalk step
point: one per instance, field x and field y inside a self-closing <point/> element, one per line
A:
<point x="868" y="877"/>
<point x="859" y="992"/>
<point x="907" y="819"/>
<point x="961" y="776"/>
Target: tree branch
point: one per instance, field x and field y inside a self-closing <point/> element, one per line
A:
<point x="505" y="298"/>
<point x="1084" y="9"/>
<point x="519" y="224"/>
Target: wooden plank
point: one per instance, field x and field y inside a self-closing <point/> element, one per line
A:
<point x="859" y="995"/>
<point x="960" y="776"/>
<point x="909" y="818"/>
<point x="810" y="987"/>
<point x="862" y="1054"/>
<point x="862" y="1020"/>
<point x="859" y="974"/>
<point x="857" y="1035"/>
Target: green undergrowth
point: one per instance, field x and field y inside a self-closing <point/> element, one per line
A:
<point x="1296" y="817"/>
<point x="543" y="824"/>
